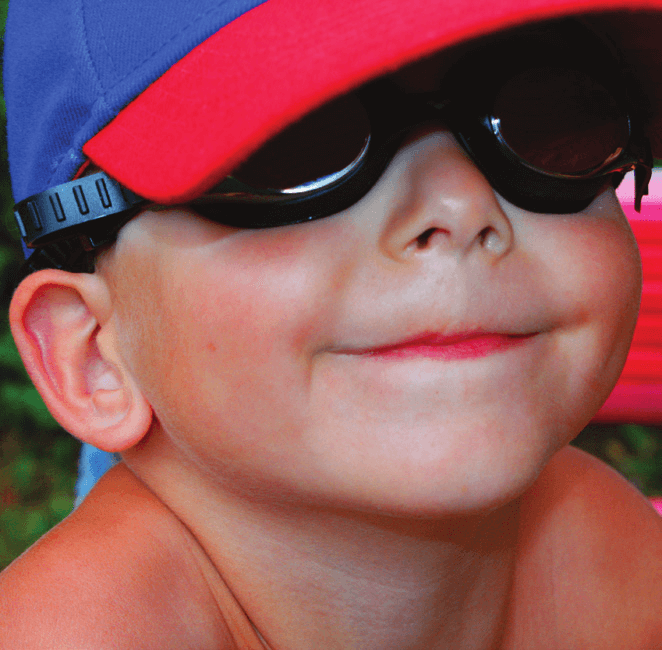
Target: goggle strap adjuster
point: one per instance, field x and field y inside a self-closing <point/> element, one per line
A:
<point x="57" y="212"/>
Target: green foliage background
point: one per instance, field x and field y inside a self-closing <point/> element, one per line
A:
<point x="38" y="459"/>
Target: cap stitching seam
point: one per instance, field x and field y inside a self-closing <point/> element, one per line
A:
<point x="166" y="43"/>
<point x="79" y="16"/>
<point x="87" y="52"/>
<point x="101" y="100"/>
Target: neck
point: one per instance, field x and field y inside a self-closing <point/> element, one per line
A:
<point x="313" y="577"/>
<point x="369" y="582"/>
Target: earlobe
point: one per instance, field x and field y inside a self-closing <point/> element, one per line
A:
<point x="58" y="320"/>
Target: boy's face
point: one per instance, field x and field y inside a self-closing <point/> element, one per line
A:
<point x="265" y="353"/>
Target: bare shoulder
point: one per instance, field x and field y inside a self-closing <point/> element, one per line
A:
<point x="590" y="571"/>
<point x="114" y="574"/>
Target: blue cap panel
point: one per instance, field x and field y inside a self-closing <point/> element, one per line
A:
<point x="72" y="65"/>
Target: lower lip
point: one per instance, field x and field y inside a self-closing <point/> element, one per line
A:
<point x="471" y="347"/>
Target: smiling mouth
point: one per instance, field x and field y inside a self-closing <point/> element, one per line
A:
<point x="470" y="345"/>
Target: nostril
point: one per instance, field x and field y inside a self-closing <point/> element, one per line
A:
<point x="485" y="236"/>
<point x="488" y="238"/>
<point x="491" y="240"/>
<point x="423" y="239"/>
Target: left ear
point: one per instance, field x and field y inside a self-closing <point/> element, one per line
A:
<point x="63" y="327"/>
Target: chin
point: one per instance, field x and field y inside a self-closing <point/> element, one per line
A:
<point x="439" y="473"/>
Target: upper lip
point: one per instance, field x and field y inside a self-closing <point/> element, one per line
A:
<point x="435" y="339"/>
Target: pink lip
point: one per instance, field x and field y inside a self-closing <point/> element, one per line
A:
<point x="460" y="346"/>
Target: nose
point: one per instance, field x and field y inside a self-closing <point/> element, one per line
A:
<point x="441" y="203"/>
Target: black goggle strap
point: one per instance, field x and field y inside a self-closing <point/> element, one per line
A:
<point x="84" y="209"/>
<point x="642" y="173"/>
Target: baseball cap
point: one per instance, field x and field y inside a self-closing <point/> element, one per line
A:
<point x="168" y="97"/>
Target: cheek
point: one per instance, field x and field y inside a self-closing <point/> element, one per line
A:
<point x="226" y="341"/>
<point x="592" y="269"/>
<point x="608" y="277"/>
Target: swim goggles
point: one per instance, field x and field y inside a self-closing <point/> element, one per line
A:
<point x="549" y="125"/>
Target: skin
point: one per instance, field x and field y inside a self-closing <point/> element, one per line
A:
<point x="304" y="495"/>
<point x="266" y="322"/>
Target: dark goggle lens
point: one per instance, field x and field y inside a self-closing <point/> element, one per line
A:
<point x="560" y="121"/>
<point x="313" y="149"/>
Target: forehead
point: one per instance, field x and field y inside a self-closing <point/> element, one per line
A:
<point x="576" y="35"/>
<point x="424" y="75"/>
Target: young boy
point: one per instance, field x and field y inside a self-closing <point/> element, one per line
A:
<point x="343" y="380"/>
